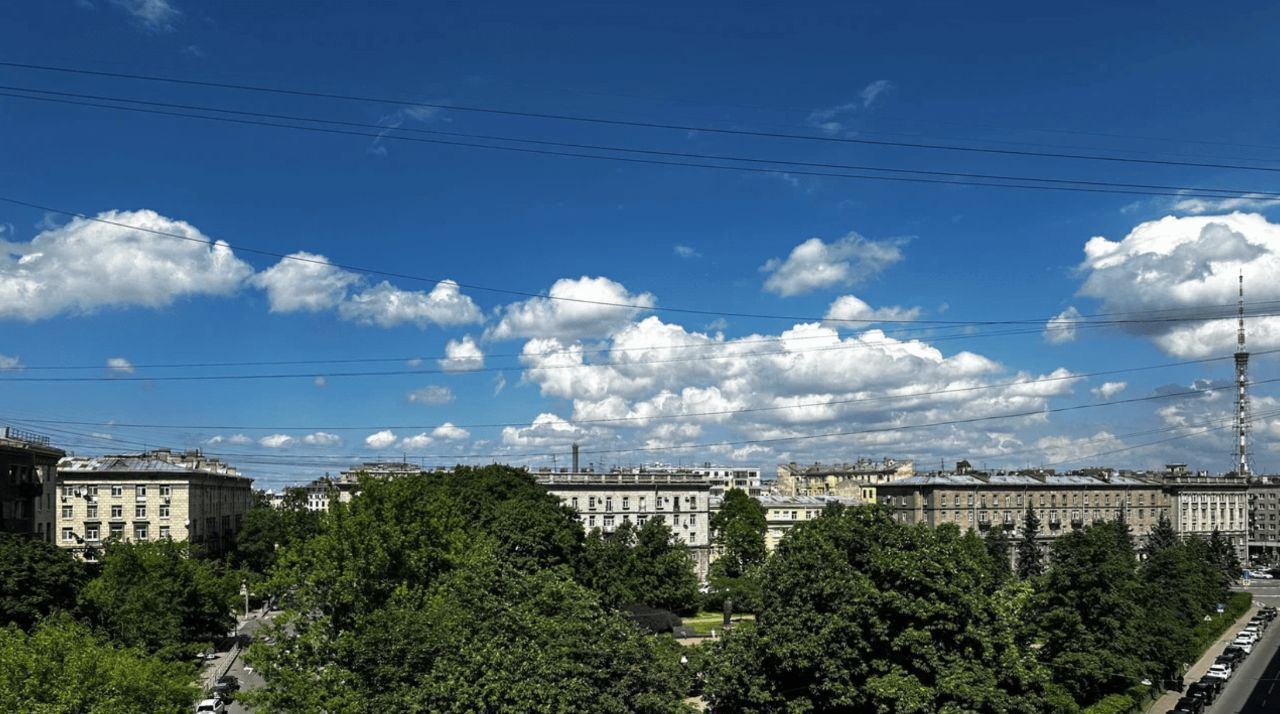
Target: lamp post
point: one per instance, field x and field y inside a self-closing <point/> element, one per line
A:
<point x="244" y="590"/>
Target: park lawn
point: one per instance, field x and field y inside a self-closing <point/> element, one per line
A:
<point x="704" y="622"/>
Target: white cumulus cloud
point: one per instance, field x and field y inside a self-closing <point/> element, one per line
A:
<point x="1108" y="389"/>
<point x="1062" y="327"/>
<point x="276" y="441"/>
<point x="1189" y="267"/>
<point x="450" y="432"/>
<point x="322" y="438"/>
<point x="381" y="439"/>
<point x="238" y="439"/>
<point x="387" y="306"/>
<point x="585" y="307"/>
<point x="814" y="264"/>
<point x="850" y="312"/>
<point x="417" y="441"/>
<point x="305" y="282"/>
<point x="7" y="362"/>
<point x="84" y="266"/>
<point x="462" y="355"/>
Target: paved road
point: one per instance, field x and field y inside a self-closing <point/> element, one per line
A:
<point x="1253" y="689"/>
<point x="231" y="659"/>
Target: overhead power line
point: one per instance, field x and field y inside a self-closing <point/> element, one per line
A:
<point x="385" y="132"/>
<point x="658" y="417"/>
<point x="619" y="122"/>
<point x="602" y="303"/>
<point x="763" y="441"/>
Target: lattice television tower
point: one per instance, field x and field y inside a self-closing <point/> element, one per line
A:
<point x="1242" y="391"/>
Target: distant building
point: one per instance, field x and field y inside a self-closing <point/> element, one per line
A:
<point x="28" y="472"/>
<point x="1201" y="504"/>
<point x="1264" y="519"/>
<point x="1062" y="502"/>
<point x="607" y="500"/>
<point x="721" y="478"/>
<point x="856" y="480"/>
<point x="157" y="494"/>
<point x="782" y="513"/>
<point x="324" y="491"/>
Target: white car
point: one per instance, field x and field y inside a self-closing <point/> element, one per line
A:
<point x="1247" y="635"/>
<point x="211" y="706"/>
<point x="1243" y="643"/>
<point x="1219" y="671"/>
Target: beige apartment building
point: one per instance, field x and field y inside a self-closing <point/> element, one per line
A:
<point x="1264" y="519"/>
<point x="856" y="480"/>
<point x="28" y="472"/>
<point x="1062" y="502"/>
<point x="607" y="500"/>
<point x="782" y="513"/>
<point x="158" y="494"/>
<point x="1199" y="505"/>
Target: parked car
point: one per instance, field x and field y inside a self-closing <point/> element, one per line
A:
<point x="1221" y="670"/>
<point x="1237" y="654"/>
<point x="1214" y="682"/>
<point x="226" y="687"/>
<point x="211" y="706"/>
<point x="1251" y="636"/>
<point x="1190" y="705"/>
<point x="1203" y="690"/>
<point x="1243" y="643"/>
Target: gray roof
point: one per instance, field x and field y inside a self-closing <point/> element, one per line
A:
<point x="1057" y="480"/>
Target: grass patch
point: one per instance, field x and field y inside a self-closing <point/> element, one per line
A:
<point x="704" y="622"/>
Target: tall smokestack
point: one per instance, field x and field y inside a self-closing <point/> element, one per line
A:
<point x="575" y="458"/>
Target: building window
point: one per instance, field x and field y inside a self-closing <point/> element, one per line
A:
<point x="91" y="490"/>
<point x="117" y="511"/>
<point x="91" y="511"/>
<point x="626" y="503"/>
<point x="117" y="530"/>
<point x="164" y="531"/>
<point x="608" y="504"/>
<point x="591" y="503"/>
<point x="117" y="490"/>
<point x="591" y="521"/>
<point x="140" y="490"/>
<point x="166" y="490"/>
<point x="573" y="503"/>
<point x="68" y="491"/>
<point x="164" y="510"/>
<point x="140" y="510"/>
<point x="608" y="522"/>
<point x="67" y="535"/>
<point x="91" y="533"/>
<point x="642" y="504"/>
<point x="140" y="531"/>
<point x="66" y="512"/>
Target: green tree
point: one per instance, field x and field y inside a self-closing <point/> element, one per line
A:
<point x="640" y="565"/>
<point x="999" y="547"/>
<point x="738" y="531"/>
<point x="266" y="529"/>
<point x="1162" y="536"/>
<point x="861" y="613"/>
<point x="36" y="579"/>
<point x="1224" y="556"/>
<point x="1090" y="618"/>
<point x="160" y="597"/>
<point x="1030" y="555"/>
<point x="62" y="667"/>
<point x="437" y="592"/>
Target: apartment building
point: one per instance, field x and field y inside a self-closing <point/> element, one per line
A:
<point x="859" y="479"/>
<point x="1264" y="519"/>
<point x="28" y="475"/>
<point x="1201" y="504"/>
<point x="1061" y="501"/>
<point x="157" y="494"/>
<point x="721" y="478"/>
<point x="607" y="500"/>
<point x="782" y="513"/>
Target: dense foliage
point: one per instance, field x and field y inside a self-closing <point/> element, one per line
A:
<point x="36" y="579"/>
<point x="462" y="592"/>
<point x="640" y="565"/>
<point x="861" y="613"/>
<point x="738" y="532"/>
<point x="159" y="596"/>
<point x="61" y="667"/>
<point x="266" y="529"/>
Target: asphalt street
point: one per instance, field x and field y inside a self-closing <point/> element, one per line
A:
<point x="1253" y="689"/>
<point x="231" y="661"/>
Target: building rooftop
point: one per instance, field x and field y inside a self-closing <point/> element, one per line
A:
<point x="157" y="461"/>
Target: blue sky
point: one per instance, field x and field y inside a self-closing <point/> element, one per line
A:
<point x="1104" y="79"/>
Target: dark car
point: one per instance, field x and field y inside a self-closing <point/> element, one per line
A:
<point x="1190" y="704"/>
<point x="1203" y="691"/>
<point x="1237" y="654"/>
<point x="226" y="687"/>
<point x="1214" y="683"/>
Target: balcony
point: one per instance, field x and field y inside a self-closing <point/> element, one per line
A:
<point x="1077" y="522"/>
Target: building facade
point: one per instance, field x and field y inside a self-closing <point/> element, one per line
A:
<point x="1061" y="502"/>
<point x="782" y="513"/>
<point x="720" y="478"/>
<point x="1264" y="519"/>
<point x="856" y="480"/>
<point x="28" y="476"/>
<point x="1199" y="505"/>
<point x="157" y="494"/>
<point x="607" y="500"/>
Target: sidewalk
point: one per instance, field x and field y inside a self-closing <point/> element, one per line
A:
<point x="1198" y="670"/>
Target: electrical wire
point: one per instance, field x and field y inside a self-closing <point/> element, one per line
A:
<point x="615" y="122"/>
<point x="385" y="132"/>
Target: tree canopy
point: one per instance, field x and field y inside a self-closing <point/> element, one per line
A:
<point x="36" y="579"/>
